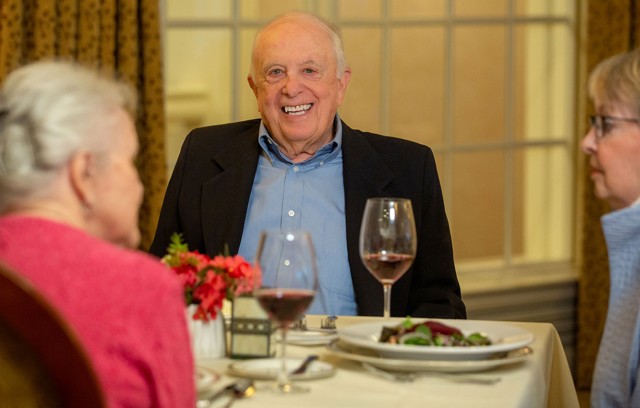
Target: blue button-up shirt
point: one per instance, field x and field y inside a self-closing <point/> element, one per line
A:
<point x="307" y="196"/>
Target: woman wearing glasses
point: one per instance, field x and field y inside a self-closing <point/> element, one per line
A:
<point x="613" y="144"/>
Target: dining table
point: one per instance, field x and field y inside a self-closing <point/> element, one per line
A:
<point x="542" y="379"/>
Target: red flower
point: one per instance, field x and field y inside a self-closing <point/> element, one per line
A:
<point x="207" y="282"/>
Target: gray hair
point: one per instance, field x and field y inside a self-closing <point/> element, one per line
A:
<point x="616" y="81"/>
<point x="48" y="112"/>
<point x="333" y="31"/>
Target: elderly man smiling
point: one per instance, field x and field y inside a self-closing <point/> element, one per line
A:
<point x="301" y="167"/>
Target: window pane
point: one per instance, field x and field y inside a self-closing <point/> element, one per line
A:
<point x="542" y="193"/>
<point x="199" y="92"/>
<point x="543" y="72"/>
<point x="267" y="9"/>
<point x="477" y="210"/>
<point x="416" y="108"/>
<point x="359" y="9"/>
<point x="479" y="84"/>
<point x="412" y="9"/>
<point x="247" y="106"/>
<point x="454" y="82"/>
<point x="484" y="8"/>
<point x="557" y="8"/>
<point x="361" y="106"/>
<point x="198" y="9"/>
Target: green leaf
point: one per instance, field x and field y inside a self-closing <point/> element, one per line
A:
<point x="418" y="341"/>
<point x="177" y="244"/>
<point x="406" y="323"/>
<point x="424" y="330"/>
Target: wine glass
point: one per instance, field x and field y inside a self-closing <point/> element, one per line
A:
<point x="289" y="282"/>
<point x="388" y="241"/>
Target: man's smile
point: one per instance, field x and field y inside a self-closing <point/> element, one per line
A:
<point x="298" y="109"/>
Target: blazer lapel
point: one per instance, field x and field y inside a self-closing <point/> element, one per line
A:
<point x="225" y="197"/>
<point x="365" y="175"/>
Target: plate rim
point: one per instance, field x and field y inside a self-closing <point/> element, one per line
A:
<point x="328" y="370"/>
<point x="315" y="338"/>
<point x="431" y="352"/>
<point x="205" y="384"/>
<point x="406" y="365"/>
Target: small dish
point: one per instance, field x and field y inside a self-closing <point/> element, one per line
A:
<point x="310" y="337"/>
<point x="268" y="368"/>
<point x="205" y="378"/>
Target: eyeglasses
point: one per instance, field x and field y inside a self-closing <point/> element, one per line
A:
<point x="603" y="124"/>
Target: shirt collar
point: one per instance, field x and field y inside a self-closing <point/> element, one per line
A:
<point x="325" y="154"/>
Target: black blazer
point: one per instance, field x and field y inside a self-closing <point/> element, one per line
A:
<point x="208" y="195"/>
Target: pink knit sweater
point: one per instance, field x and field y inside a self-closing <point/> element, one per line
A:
<point x="125" y="306"/>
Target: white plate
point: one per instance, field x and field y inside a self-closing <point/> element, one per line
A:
<point x="310" y="337"/>
<point x="267" y="369"/>
<point x="205" y="377"/>
<point x="503" y="338"/>
<point x="443" y="366"/>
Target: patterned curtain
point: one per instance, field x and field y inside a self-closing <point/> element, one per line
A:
<point x="120" y="37"/>
<point x="612" y="27"/>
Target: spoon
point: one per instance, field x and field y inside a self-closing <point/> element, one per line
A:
<point x="241" y="389"/>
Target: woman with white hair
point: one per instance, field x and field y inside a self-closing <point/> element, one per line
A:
<point x="613" y="146"/>
<point x="69" y="200"/>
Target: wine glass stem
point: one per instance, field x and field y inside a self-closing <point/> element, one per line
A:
<point x="283" y="376"/>
<point x="387" y="300"/>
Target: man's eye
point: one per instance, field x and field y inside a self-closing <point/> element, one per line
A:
<point x="275" y="72"/>
<point x="309" y="70"/>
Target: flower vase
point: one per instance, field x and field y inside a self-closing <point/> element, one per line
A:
<point x="208" y="338"/>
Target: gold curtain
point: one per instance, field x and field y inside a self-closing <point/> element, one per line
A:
<point x="120" y="37"/>
<point x="612" y="27"/>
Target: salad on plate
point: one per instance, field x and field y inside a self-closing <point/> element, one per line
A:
<point x="431" y="333"/>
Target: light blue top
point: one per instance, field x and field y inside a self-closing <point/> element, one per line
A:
<point x="617" y="366"/>
<point x="307" y="196"/>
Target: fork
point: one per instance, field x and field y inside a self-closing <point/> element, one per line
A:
<point x="412" y="376"/>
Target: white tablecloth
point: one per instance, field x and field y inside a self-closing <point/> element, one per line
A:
<point x="543" y="380"/>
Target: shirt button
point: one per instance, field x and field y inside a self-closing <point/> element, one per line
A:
<point x="291" y="213"/>
<point x="295" y="168"/>
<point x="287" y="262"/>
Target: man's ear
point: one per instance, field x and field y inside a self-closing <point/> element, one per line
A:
<point x="343" y="83"/>
<point x="81" y="174"/>
<point x="252" y="85"/>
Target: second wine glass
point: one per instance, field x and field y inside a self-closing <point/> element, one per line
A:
<point x="388" y="241"/>
<point x="289" y="282"/>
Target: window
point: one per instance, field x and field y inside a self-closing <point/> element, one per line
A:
<point x="489" y="85"/>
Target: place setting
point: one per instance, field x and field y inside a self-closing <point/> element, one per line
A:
<point x="288" y="286"/>
<point x="346" y="352"/>
<point x="505" y="344"/>
<point x="387" y="247"/>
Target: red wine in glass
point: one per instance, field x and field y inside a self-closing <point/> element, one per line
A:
<point x="388" y="268"/>
<point x="388" y="242"/>
<point x="289" y="281"/>
<point x="285" y="305"/>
